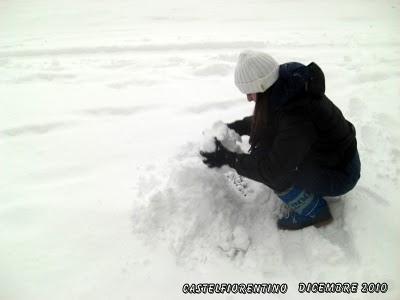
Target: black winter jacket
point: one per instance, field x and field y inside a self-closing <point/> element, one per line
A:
<point x="304" y="129"/>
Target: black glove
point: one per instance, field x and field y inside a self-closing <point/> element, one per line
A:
<point x="241" y="127"/>
<point x="221" y="156"/>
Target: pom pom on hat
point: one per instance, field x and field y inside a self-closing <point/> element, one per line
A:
<point x="255" y="72"/>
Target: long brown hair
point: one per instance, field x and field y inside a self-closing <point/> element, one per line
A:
<point x="259" y="120"/>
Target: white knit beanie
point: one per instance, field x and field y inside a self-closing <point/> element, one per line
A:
<point x="255" y="72"/>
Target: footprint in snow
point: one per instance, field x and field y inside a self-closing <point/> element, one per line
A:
<point x="237" y="244"/>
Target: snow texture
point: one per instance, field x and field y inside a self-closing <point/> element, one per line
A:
<point x="104" y="109"/>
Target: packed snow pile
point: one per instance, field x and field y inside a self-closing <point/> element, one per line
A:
<point x="207" y="214"/>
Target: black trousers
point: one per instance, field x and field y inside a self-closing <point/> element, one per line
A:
<point x="330" y="182"/>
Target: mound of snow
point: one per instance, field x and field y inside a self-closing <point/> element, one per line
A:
<point x="207" y="214"/>
<point x="203" y="213"/>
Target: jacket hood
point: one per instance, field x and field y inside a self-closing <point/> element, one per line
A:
<point x="296" y="79"/>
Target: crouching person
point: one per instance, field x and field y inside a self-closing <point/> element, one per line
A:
<point x="302" y="147"/>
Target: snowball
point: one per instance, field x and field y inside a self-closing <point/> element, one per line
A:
<point x="226" y="136"/>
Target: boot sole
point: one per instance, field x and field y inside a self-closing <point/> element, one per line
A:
<point x="317" y="225"/>
<point x="323" y="223"/>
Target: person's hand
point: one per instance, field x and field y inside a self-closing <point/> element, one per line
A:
<point x="232" y="126"/>
<point x="221" y="156"/>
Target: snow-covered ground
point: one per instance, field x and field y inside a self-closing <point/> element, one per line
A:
<point x="103" y="105"/>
